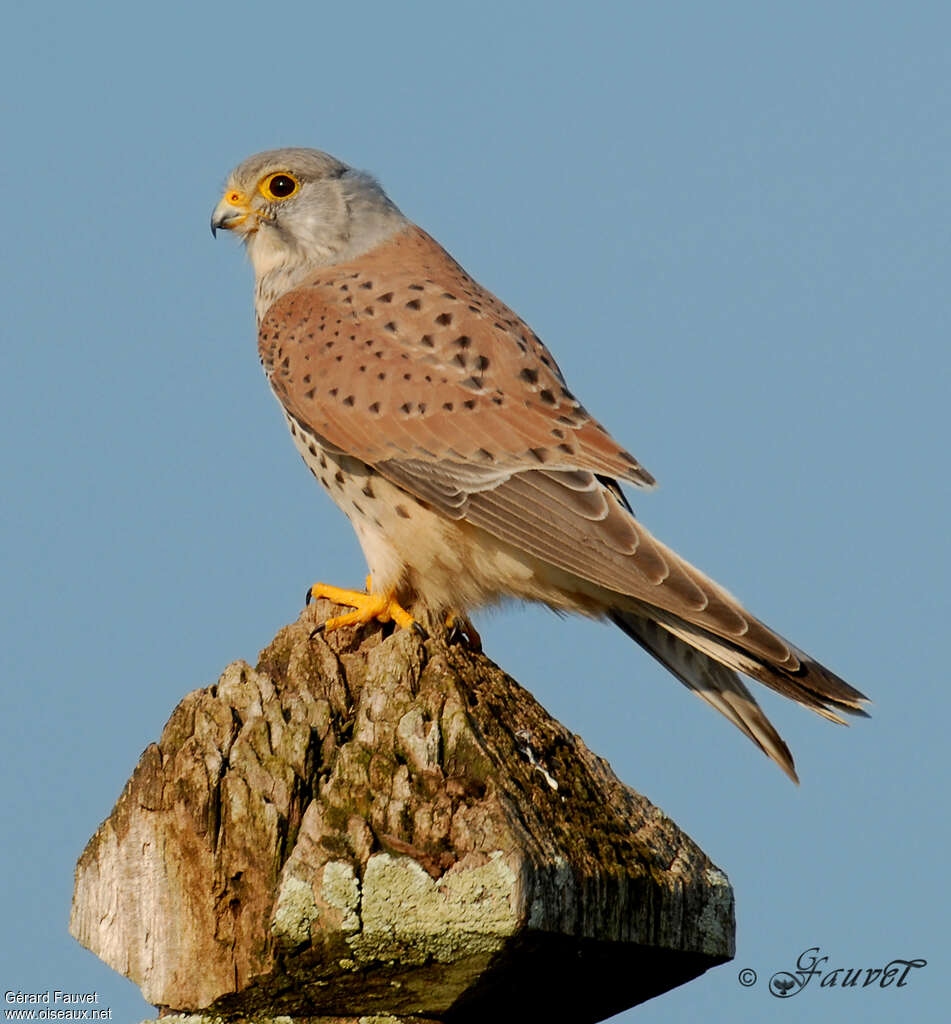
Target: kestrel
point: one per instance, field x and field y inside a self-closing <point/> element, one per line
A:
<point x="442" y="426"/>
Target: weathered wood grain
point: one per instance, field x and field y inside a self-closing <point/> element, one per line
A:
<point x="363" y="826"/>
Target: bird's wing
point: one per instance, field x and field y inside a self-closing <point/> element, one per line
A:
<point x="402" y="355"/>
<point x="403" y="361"/>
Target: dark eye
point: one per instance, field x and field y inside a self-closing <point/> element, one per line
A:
<point x="279" y="186"/>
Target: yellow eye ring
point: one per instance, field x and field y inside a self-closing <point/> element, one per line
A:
<point x="279" y="186"/>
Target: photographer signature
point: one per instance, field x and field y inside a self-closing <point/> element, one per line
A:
<point x="809" y="965"/>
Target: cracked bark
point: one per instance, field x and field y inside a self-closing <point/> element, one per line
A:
<point x="363" y="825"/>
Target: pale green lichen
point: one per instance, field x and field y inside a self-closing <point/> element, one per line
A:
<point x="295" y="912"/>
<point x="411" y="917"/>
<point x="715" y="926"/>
<point x="341" y="890"/>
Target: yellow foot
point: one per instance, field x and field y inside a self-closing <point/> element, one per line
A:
<point x="367" y="607"/>
<point x="459" y="628"/>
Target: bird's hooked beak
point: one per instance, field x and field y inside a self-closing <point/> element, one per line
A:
<point x="232" y="212"/>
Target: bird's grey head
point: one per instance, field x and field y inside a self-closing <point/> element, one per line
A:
<point x="299" y="209"/>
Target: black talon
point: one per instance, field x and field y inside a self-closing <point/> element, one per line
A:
<point x="420" y="632"/>
<point x="317" y="630"/>
<point x="456" y="633"/>
<point x="308" y="597"/>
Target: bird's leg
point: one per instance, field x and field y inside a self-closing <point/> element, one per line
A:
<point x="459" y="628"/>
<point x="367" y="606"/>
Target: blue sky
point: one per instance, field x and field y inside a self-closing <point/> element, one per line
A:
<point x="729" y="222"/>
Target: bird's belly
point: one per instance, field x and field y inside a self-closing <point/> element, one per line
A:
<point x="424" y="557"/>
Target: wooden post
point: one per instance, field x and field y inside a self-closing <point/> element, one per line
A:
<point x="364" y="826"/>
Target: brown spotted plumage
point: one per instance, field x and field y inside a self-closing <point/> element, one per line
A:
<point x="443" y="428"/>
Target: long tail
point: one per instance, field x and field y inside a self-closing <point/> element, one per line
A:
<point x="708" y="664"/>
